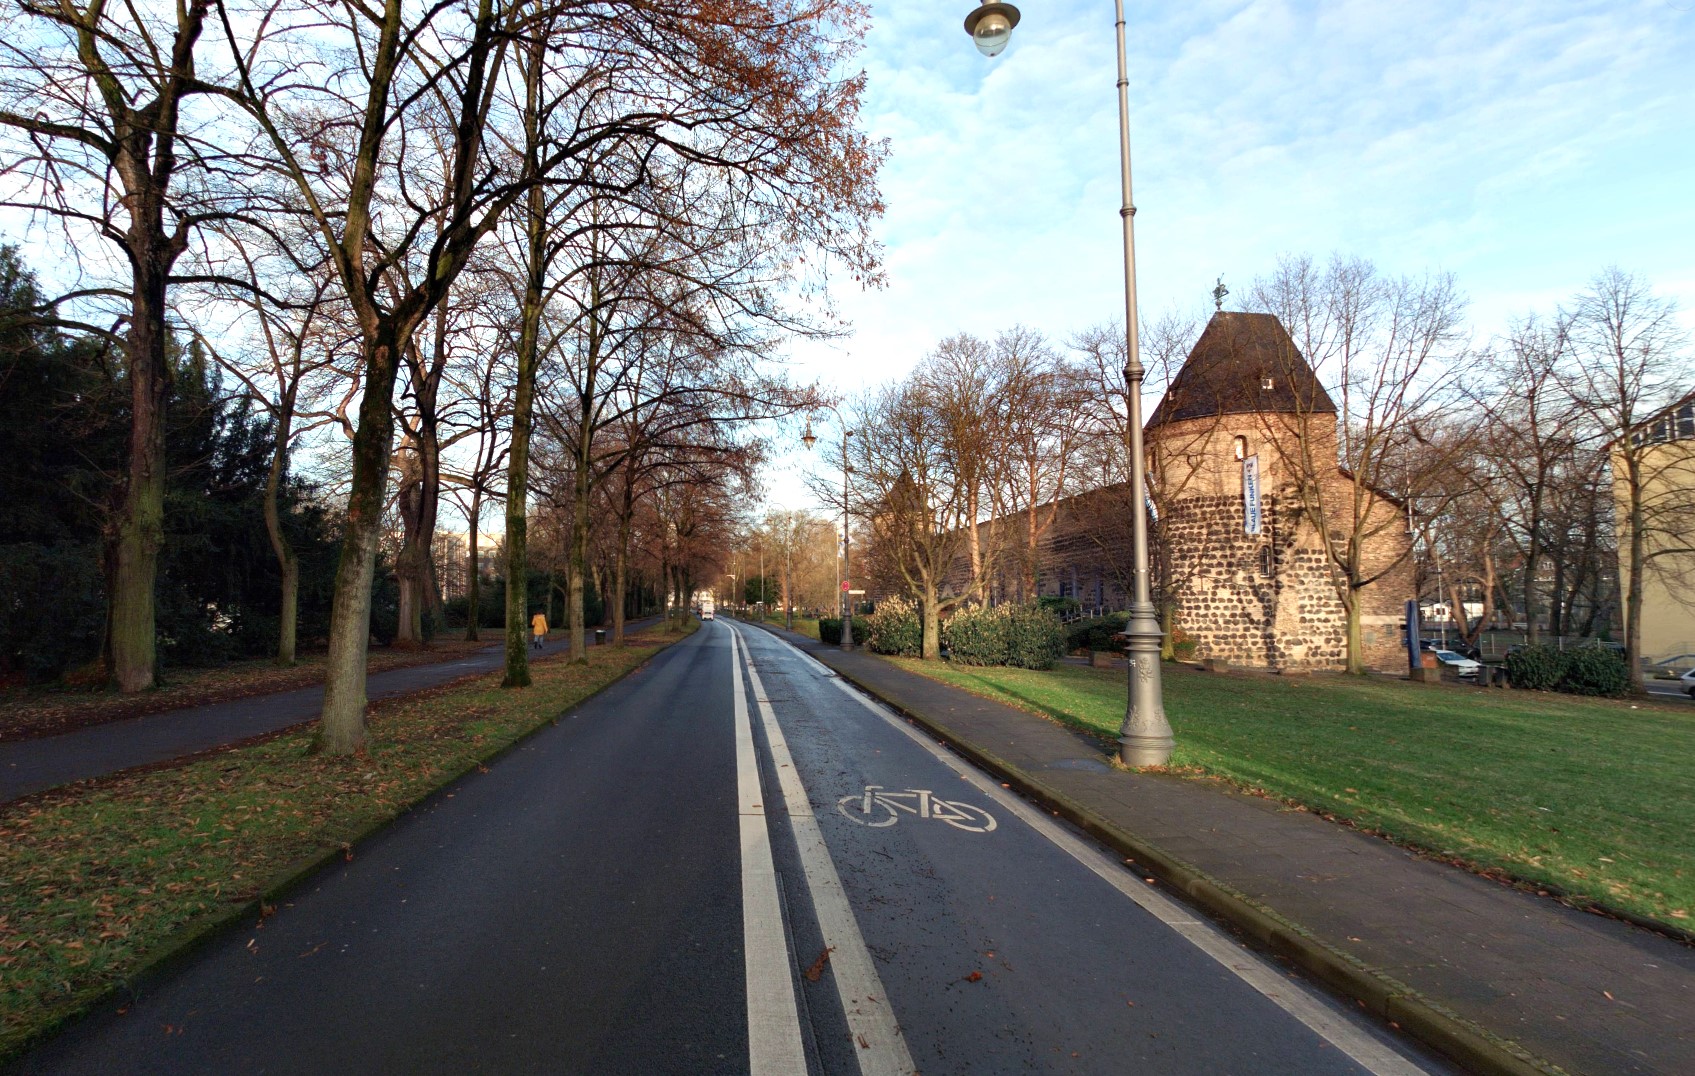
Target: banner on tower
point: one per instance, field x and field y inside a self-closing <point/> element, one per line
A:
<point x="1250" y="495"/>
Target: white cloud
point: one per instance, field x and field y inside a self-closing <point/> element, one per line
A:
<point x="1522" y="147"/>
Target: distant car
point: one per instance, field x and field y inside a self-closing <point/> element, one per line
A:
<point x="1463" y="666"/>
<point x="1687" y="681"/>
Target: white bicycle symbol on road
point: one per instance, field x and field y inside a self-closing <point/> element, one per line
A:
<point x="877" y="808"/>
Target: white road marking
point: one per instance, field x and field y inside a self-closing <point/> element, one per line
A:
<point x="880" y="1046"/>
<point x="1292" y="997"/>
<point x="773" y="1022"/>
<point x="859" y="808"/>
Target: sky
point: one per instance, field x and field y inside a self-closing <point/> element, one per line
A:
<point x="1522" y="147"/>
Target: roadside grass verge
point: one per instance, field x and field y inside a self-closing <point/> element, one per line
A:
<point x="804" y="625"/>
<point x="1595" y="798"/>
<point x="56" y="708"/>
<point x="98" y="880"/>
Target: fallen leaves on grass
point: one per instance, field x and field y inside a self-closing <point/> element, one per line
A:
<point x="98" y="875"/>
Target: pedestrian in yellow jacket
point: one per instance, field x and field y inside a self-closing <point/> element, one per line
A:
<point x="538" y="629"/>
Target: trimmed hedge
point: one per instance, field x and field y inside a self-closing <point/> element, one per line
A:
<point x="1536" y="668"/>
<point x="1025" y="636"/>
<point x="1595" y="670"/>
<point x="1587" y="670"/>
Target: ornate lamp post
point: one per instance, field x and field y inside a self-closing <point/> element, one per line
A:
<point x="1145" y="738"/>
<point x="846" y="598"/>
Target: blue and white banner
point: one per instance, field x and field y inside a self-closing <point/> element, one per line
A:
<point x="1250" y="495"/>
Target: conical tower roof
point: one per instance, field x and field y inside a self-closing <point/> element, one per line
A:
<point x="1242" y="364"/>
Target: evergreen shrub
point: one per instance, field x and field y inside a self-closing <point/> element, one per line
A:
<point x="1537" y="668"/>
<point x="977" y="636"/>
<point x="1095" y="633"/>
<point x="894" y="629"/>
<point x="1026" y="636"/>
<point x="830" y="630"/>
<point x="1060" y="606"/>
<point x="1183" y="645"/>
<point x="1035" y="637"/>
<point x="1595" y="670"/>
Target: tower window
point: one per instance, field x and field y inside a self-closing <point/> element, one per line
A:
<point x="1239" y="446"/>
<point x="1266" y="384"/>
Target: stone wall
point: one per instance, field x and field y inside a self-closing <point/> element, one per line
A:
<point x="1270" y="600"/>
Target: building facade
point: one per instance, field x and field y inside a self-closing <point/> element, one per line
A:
<point x="1665" y="450"/>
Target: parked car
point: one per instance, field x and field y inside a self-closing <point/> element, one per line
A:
<point x="1458" y="648"/>
<point x="1687" y="682"/>
<point x="1463" y="666"/>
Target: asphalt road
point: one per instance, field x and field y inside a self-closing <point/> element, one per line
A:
<point x="1669" y="689"/>
<point x="727" y="863"/>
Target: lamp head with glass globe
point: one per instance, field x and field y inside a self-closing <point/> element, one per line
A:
<point x="990" y="27"/>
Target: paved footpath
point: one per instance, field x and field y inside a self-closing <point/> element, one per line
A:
<point x="29" y="766"/>
<point x="1500" y="979"/>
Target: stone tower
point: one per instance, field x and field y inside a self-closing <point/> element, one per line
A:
<point x="1248" y="574"/>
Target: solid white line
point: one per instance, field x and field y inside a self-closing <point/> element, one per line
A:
<point x="773" y="1022"/>
<point x="880" y="1046"/>
<point x="1292" y="997"/>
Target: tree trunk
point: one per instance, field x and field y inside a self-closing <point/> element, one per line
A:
<point x="138" y="530"/>
<point x="620" y="582"/>
<point x="473" y="587"/>
<point x="1633" y="593"/>
<point x="518" y="460"/>
<point x="287" y="562"/>
<point x="408" y="571"/>
<point x="342" y="728"/>
<point x="578" y="566"/>
<point x="930" y="648"/>
<point x="1356" y="636"/>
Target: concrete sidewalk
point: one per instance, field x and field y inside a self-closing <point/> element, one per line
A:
<point x="30" y="766"/>
<point x="1498" y="979"/>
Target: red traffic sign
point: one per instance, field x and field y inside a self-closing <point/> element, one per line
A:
<point x="844" y="586"/>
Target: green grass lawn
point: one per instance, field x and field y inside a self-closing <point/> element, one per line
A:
<point x="1593" y="796"/>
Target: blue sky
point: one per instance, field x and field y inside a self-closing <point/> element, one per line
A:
<point x="1522" y="147"/>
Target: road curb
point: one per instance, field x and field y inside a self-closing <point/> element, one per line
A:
<point x="170" y="954"/>
<point x="1430" y="1023"/>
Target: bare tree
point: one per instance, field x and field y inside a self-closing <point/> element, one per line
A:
<point x="1628" y="350"/>
<point x="289" y="312"/>
<point x="909" y="490"/>
<point x="96" y="109"/>
<point x="1529" y="436"/>
<point x="1387" y="346"/>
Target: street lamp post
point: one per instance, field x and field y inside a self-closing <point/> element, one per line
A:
<point x="846" y="596"/>
<point x="1145" y="737"/>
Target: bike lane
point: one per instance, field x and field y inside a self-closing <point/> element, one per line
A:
<point x="1001" y="946"/>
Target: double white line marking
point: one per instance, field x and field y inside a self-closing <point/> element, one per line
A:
<point x="775" y="1046"/>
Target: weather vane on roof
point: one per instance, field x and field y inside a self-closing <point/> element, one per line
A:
<point x="1219" y="293"/>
